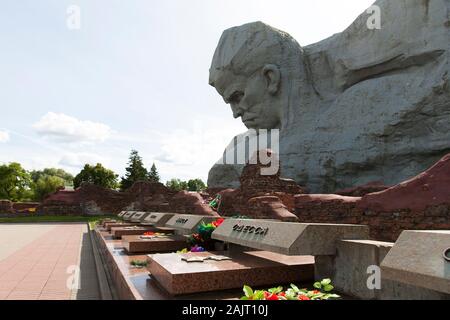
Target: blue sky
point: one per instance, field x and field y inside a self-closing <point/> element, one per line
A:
<point x="134" y="76"/>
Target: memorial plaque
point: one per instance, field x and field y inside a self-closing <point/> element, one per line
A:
<point x="138" y="244"/>
<point x="288" y="238"/>
<point x="139" y="216"/>
<point x="187" y="224"/>
<point x="129" y="215"/>
<point x="189" y="273"/>
<point x="157" y="219"/>
<point x="419" y="258"/>
<point x="122" y="213"/>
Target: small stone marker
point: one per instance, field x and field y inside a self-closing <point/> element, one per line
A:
<point x="288" y="238"/>
<point x="418" y="259"/>
<point x="187" y="224"/>
<point x="157" y="219"/>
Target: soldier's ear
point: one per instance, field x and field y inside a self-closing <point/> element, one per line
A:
<point x="272" y="75"/>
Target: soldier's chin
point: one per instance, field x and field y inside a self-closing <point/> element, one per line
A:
<point x="250" y="124"/>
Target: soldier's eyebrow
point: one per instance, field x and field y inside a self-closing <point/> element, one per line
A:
<point x="229" y="94"/>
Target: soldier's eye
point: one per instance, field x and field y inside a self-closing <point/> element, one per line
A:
<point x="236" y="97"/>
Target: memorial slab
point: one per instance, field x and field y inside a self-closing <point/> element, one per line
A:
<point x="139" y="216"/>
<point x="129" y="215"/>
<point x="254" y="268"/>
<point x="157" y="219"/>
<point x="186" y="224"/>
<point x="119" y="232"/>
<point x="162" y="243"/>
<point x="122" y="213"/>
<point x="109" y="226"/>
<point x="288" y="238"/>
<point x="418" y="258"/>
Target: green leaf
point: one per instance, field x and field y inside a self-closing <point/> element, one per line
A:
<point x="259" y="295"/>
<point x="317" y="285"/>
<point x="275" y="290"/>
<point x="333" y="296"/>
<point x="328" y="288"/>
<point x="295" y="288"/>
<point x="248" y="291"/>
<point x="325" y="282"/>
<point x="291" y="297"/>
<point x="245" y="298"/>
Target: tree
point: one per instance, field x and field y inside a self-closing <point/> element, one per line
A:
<point x="14" y="182"/>
<point x="46" y="185"/>
<point x="97" y="175"/>
<point x="52" y="172"/>
<point x="153" y="175"/>
<point x="177" y="185"/>
<point x="134" y="172"/>
<point x="196" y="185"/>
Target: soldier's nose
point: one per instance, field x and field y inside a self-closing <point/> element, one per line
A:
<point x="237" y="112"/>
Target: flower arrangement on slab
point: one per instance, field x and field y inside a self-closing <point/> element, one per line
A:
<point x="323" y="291"/>
<point x="154" y="234"/>
<point x="201" y="241"/>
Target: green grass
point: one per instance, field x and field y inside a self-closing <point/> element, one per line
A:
<point x="92" y="220"/>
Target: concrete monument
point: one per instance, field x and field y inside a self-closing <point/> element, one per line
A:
<point x="363" y="105"/>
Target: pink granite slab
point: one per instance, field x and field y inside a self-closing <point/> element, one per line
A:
<point x="117" y="233"/>
<point x="255" y="268"/>
<point x="135" y="244"/>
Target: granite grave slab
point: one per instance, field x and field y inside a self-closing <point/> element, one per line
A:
<point x="186" y="224"/>
<point x="119" y="232"/>
<point x="178" y="276"/>
<point x="288" y="238"/>
<point x="157" y="219"/>
<point x="135" y="244"/>
<point x="420" y="258"/>
<point x="139" y="216"/>
<point x="128" y="215"/>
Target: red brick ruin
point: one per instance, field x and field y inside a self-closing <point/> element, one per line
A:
<point x="420" y="203"/>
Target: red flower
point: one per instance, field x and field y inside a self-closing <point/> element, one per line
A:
<point x="270" y="296"/>
<point x="218" y="222"/>
<point x="303" y="297"/>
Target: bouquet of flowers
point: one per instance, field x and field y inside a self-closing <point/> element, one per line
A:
<point x="323" y="291"/>
<point x="203" y="236"/>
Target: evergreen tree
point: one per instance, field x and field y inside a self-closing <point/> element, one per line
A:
<point x="153" y="175"/>
<point x="134" y="172"/>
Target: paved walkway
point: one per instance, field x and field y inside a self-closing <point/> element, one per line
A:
<point x="39" y="261"/>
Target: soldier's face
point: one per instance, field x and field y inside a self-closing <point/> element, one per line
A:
<point x="250" y="99"/>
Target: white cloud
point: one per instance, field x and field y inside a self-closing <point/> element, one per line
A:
<point x="64" y="128"/>
<point x="191" y="153"/>
<point x="4" y="136"/>
<point x="78" y="160"/>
